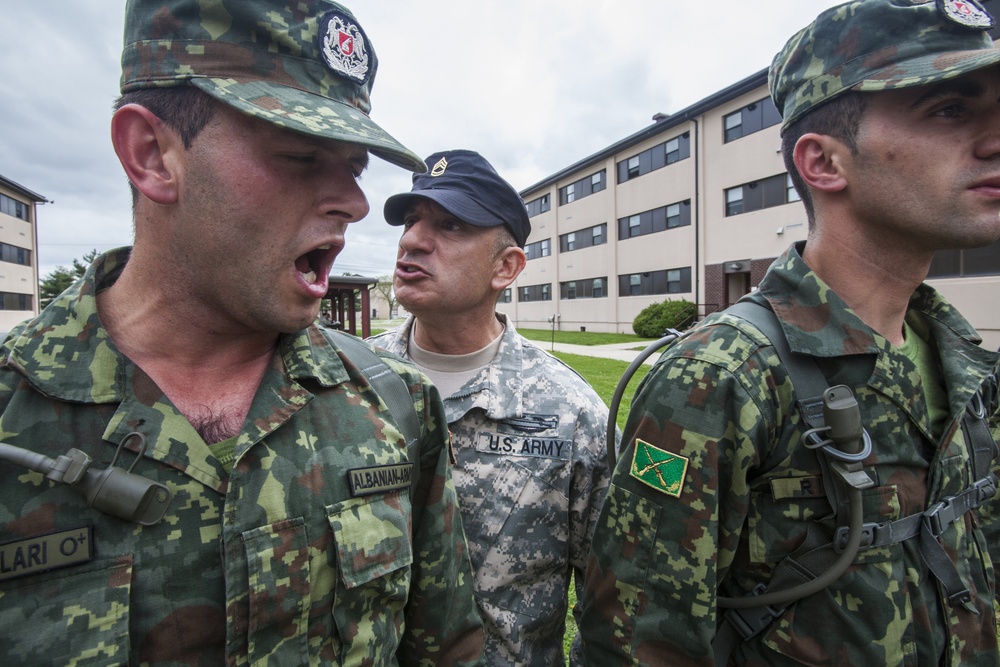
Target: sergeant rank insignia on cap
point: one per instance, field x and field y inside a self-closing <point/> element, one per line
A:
<point x="344" y="46"/>
<point x="439" y="167"/>
<point x="967" y="13"/>
<point x="661" y="470"/>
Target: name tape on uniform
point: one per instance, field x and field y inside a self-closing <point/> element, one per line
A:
<point x="380" y="479"/>
<point x="547" y="448"/>
<point x="46" y="552"/>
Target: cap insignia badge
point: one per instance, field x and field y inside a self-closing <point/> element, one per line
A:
<point x="344" y="47"/>
<point x="967" y="13"/>
<point x="439" y="167"/>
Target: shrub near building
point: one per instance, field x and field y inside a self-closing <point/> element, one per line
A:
<point x="655" y="319"/>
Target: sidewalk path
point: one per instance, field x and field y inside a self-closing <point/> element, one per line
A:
<point x="626" y="352"/>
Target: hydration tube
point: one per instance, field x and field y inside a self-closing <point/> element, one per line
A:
<point x="669" y="337"/>
<point x="849" y="473"/>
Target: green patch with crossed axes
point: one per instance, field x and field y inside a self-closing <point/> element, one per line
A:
<point x="659" y="469"/>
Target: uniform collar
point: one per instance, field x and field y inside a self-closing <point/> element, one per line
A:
<point x="497" y="390"/>
<point x="818" y="322"/>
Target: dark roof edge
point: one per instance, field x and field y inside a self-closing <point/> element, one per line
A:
<point x="664" y="124"/>
<point x="34" y="196"/>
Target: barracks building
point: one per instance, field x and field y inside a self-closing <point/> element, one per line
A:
<point x="695" y="206"/>
<point x="18" y="253"/>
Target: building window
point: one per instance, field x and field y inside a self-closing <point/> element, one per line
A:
<point x="673" y="150"/>
<point x="599" y="234"/>
<point x="584" y="289"/>
<point x="734" y="200"/>
<point x="13" y="207"/>
<point x="539" y="205"/>
<point x="675" y="281"/>
<point x="667" y="281"/>
<point x="538" y="249"/>
<point x="654" y="158"/>
<point x="791" y="193"/>
<point x="755" y="195"/>
<point x="983" y="261"/>
<point x="754" y="117"/>
<point x="535" y="293"/>
<point x="584" y="238"/>
<point x="673" y="216"/>
<point x="733" y="126"/>
<point x="582" y="188"/>
<point x="505" y="297"/>
<point x="632" y="171"/>
<point x="14" y="301"/>
<point x="15" y="255"/>
<point x="659" y="219"/>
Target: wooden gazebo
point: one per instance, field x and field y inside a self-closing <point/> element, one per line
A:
<point x="342" y="294"/>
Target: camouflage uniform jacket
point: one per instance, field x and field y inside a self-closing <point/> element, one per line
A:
<point x="750" y="493"/>
<point x="277" y="563"/>
<point x="529" y="436"/>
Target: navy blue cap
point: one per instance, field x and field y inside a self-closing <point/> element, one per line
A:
<point x="467" y="186"/>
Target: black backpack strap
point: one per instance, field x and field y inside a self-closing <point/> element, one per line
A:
<point x="390" y="387"/>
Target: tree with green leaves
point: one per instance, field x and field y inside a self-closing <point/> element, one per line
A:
<point x="53" y="284"/>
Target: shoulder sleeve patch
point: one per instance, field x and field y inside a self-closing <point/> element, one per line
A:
<point x="661" y="470"/>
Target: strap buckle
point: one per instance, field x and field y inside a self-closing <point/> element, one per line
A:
<point x="868" y="536"/>
<point x="984" y="489"/>
<point x="939" y="517"/>
<point x="749" y="622"/>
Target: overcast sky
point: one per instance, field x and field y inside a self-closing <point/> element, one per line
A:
<point x="533" y="85"/>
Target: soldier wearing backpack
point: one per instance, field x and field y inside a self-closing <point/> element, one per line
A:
<point x="721" y="499"/>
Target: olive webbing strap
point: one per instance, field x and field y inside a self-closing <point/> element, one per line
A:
<point x="390" y="387"/>
<point x="739" y="625"/>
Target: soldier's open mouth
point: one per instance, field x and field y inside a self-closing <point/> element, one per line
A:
<point x="315" y="265"/>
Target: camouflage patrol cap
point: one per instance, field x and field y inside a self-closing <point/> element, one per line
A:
<point x="872" y="45"/>
<point x="306" y="65"/>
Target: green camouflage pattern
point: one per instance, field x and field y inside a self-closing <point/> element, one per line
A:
<point x="871" y="45"/>
<point x="274" y="564"/>
<point x="265" y="58"/>
<point x="530" y="442"/>
<point x="720" y="398"/>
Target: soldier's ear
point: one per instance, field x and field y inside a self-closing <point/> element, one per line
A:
<point x="821" y="160"/>
<point x="149" y="152"/>
<point x="508" y="266"/>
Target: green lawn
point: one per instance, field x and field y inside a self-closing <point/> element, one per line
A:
<point x="603" y="375"/>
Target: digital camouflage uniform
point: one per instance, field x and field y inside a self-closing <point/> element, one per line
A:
<point x="529" y="437"/>
<point x="720" y="399"/>
<point x="277" y="563"/>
